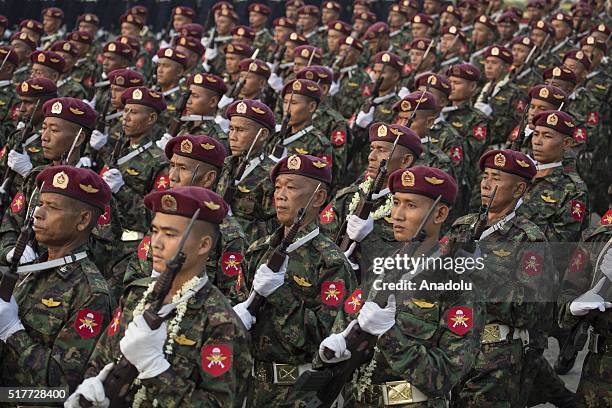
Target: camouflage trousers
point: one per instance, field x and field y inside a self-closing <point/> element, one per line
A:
<point x="541" y="384"/>
<point x="595" y="388"/>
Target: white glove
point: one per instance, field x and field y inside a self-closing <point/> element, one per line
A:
<point x="225" y="100"/>
<point x="19" y="162"/>
<point x="358" y="228"/>
<point x="374" y="320"/>
<point x="144" y="347"/>
<point x="114" y="179"/>
<point x="484" y="108"/>
<point x="223" y="123"/>
<point x="348" y="254"/>
<point x="403" y="92"/>
<point x="364" y="119"/>
<point x="275" y="82"/>
<point x="9" y="319"/>
<point x="92" y="389"/>
<point x="334" y="88"/>
<point x="28" y="255"/>
<point x="266" y="281"/>
<point x="241" y="310"/>
<point x="92" y="103"/>
<point x="211" y="53"/>
<point x="590" y="300"/>
<point x="84" y="162"/>
<point x="337" y="343"/>
<point x="272" y="66"/>
<point x="161" y="143"/>
<point x="20" y="125"/>
<point x="98" y="139"/>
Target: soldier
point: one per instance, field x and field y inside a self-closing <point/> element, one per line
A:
<point x="308" y="20"/>
<point x="419" y="62"/>
<point x="285" y="68"/>
<point x="397" y="20"/>
<point x="305" y="294"/>
<point x="50" y="326"/>
<point x="255" y="74"/>
<point x="468" y="10"/>
<point x="234" y="53"/>
<point x="598" y="80"/>
<point x="453" y="43"/>
<point x="131" y="25"/>
<point x="23" y="46"/>
<point x="291" y="8"/>
<point x="225" y="21"/>
<point x="337" y="31"/>
<point x="527" y="75"/>
<point x="563" y="25"/>
<point x="361" y="22"/>
<point x="8" y="97"/>
<point x="258" y="18"/>
<point x="542" y="34"/>
<point x="330" y="11"/>
<point x="243" y="35"/>
<point x="169" y="72"/>
<point x="116" y="55"/>
<point x="52" y="19"/>
<point x="180" y="16"/>
<point x="193" y="50"/>
<point x="507" y="28"/>
<point x="85" y="67"/>
<point x="483" y="35"/>
<point x="67" y="85"/>
<point x="450" y="16"/>
<point x="33" y="28"/>
<point x="201" y="355"/>
<point x="350" y="79"/>
<point x="47" y="64"/>
<point x="377" y="39"/>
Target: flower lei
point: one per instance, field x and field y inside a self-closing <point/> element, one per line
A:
<point x="172" y="328"/>
<point x="363" y="376"/>
<point x="381" y="212"/>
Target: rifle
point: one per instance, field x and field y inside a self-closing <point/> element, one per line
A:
<point x="10" y="278"/>
<point x="5" y="58"/>
<point x="237" y="87"/>
<point x="228" y="196"/>
<point x="279" y="148"/>
<point x="66" y="156"/>
<point x="280" y="252"/>
<point x="119" y="380"/>
<point x="370" y="101"/>
<point x="480" y="225"/>
<point x="419" y="65"/>
<point x="518" y="141"/>
<point x="112" y="161"/>
<point x="175" y="121"/>
<point x="278" y="56"/>
<point x="328" y="382"/>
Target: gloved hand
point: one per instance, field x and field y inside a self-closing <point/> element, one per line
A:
<point x="211" y="53"/>
<point x="20" y="125"/>
<point x="334" y="88"/>
<point x="225" y="100"/>
<point x="28" y="255"/>
<point x="403" y="92"/>
<point x="98" y="139"/>
<point x="590" y="300"/>
<point x="223" y="123"/>
<point x="85" y="162"/>
<point x="161" y="143"/>
<point x="241" y="310"/>
<point x="358" y="228"/>
<point x="272" y="66"/>
<point x="19" y="162"/>
<point x="92" y="389"/>
<point x="337" y="343"/>
<point x="275" y="82"/>
<point x="484" y="108"/>
<point x="266" y="281"/>
<point x="114" y="179"/>
<point x="9" y="319"/>
<point x="365" y="118"/>
<point x="375" y="320"/>
<point x="349" y="253"/>
<point x="144" y="347"/>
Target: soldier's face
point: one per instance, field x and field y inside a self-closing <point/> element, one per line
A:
<point x="562" y="30"/>
<point x="80" y="48"/>
<point x="461" y="89"/>
<point x="360" y="25"/>
<point x="257" y="20"/>
<point x="536" y="106"/>
<point x="445" y="43"/>
<point x="300" y="106"/>
<point x="88" y="27"/>
<point x="241" y="39"/>
<point x="69" y="59"/>
<point x="300" y="63"/>
<point x="34" y="36"/>
<point x="448" y="19"/>
<point x="538" y="36"/>
<point x="21" y="49"/>
<point x="57" y="137"/>
<point x="116" y="92"/>
<point x="408" y="212"/>
<point x="328" y="15"/>
<point x="231" y="63"/>
<point x="281" y="34"/>
<point x="509" y="188"/>
<point x="396" y="19"/>
<point x="192" y="57"/>
<point x="506" y="30"/>
<point x="421" y="122"/>
<point x="292" y="192"/>
<point x="567" y="86"/>
<point x="390" y="76"/>
<point x="224" y="25"/>
<point x="333" y="40"/>
<point x="137" y="119"/>
<point x="50" y="24"/>
<point x="467" y="15"/>
<point x="252" y="84"/>
<point x="291" y="12"/>
<point x="242" y="132"/>
<point x="168" y="72"/>
<point x="179" y="20"/>
<point x="57" y="221"/>
<point x="575" y="66"/>
<point x="548" y="145"/>
<point x="495" y="68"/>
<point x="380" y="151"/>
<point x="26" y="108"/>
<point x="416" y="56"/>
<point x="201" y="101"/>
<point x="42" y="71"/>
<point x="182" y="169"/>
<point x="519" y="54"/>
<point x="307" y="21"/>
<point x="533" y="13"/>
<point x="481" y="34"/>
<point x="113" y="61"/>
<point x="431" y="7"/>
<point x="419" y="30"/>
<point x="129" y="29"/>
<point x="595" y="54"/>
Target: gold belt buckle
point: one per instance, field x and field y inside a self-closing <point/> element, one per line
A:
<point x="491" y="334"/>
<point x="285" y="374"/>
<point x="397" y="393"/>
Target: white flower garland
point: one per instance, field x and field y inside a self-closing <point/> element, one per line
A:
<point x="382" y="211"/>
<point x="363" y="377"/>
<point x="172" y="328"/>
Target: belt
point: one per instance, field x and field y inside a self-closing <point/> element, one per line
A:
<point x="278" y="373"/>
<point x="495" y="333"/>
<point x="598" y="345"/>
<point x="392" y="393"/>
<point x="129" y="235"/>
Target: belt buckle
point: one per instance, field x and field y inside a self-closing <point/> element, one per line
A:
<point x="491" y="334"/>
<point x="397" y="393"/>
<point x="285" y="374"/>
<point x="261" y="373"/>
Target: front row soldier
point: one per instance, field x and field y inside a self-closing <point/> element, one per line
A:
<point x="200" y="355"/>
<point x="427" y="339"/>
<point x="51" y="325"/>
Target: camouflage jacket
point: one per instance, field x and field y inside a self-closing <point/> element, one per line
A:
<point x="21" y="73"/>
<point x="209" y="328"/>
<point x="263" y="41"/>
<point x="63" y="310"/>
<point x="208" y="127"/>
<point x="68" y="86"/>
<point x="299" y="315"/>
<point x="349" y="97"/>
<point x="308" y="140"/>
<point x="102" y="93"/>
<point x="507" y="102"/>
<point x="316" y="38"/>
<point x="171" y="97"/>
<point x="527" y="79"/>
<point x="433" y="156"/>
<point x="333" y="125"/>
<point x="8" y="99"/>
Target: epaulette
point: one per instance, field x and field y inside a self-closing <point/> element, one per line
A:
<point x="467" y="219"/>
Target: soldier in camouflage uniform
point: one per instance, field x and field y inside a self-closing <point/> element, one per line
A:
<point x="169" y="71"/>
<point x="303" y="298"/>
<point x="50" y="326"/>
<point x="258" y="18"/>
<point x="397" y="20"/>
<point x="308" y="19"/>
<point x="483" y="35"/>
<point x="116" y="55"/>
<point x="254" y="74"/>
<point x="201" y="355"/>
<point x="453" y="43"/>
<point x="23" y="46"/>
<point x="225" y="21"/>
<point x="528" y="76"/>
<point x="563" y="26"/>
<point x="542" y="34"/>
<point x="52" y="19"/>
<point x="67" y="85"/>
<point x="8" y="97"/>
<point x="347" y="94"/>
<point x="419" y="62"/>
<point x="234" y="53"/>
<point x="85" y="69"/>
<point x="337" y="31"/>
<point x="193" y="50"/>
<point x="330" y="13"/>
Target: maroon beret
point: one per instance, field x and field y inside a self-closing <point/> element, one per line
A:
<point x="64" y="46"/>
<point x="24" y="38"/>
<point x="427" y="181"/>
<point x="133" y="42"/>
<point x="33" y="25"/>
<point x="185" y="201"/>
<point x="518" y="12"/>
<point x="594" y="42"/>
<point x="421" y="43"/>
<point x="119" y="48"/>
<point x="208" y="81"/>
<point x="230" y="13"/>
<point x="71" y="109"/>
<point x="173" y="54"/>
<point x="436" y="81"/>
<point x="454" y="31"/>
<point x="139" y="10"/>
<point x="256" y="66"/>
<point x="53" y="12"/>
<point x="37" y="87"/>
<point x="183" y="11"/>
<point x="396" y="8"/>
<point x="566" y="18"/>
<point x="3" y="21"/>
<point x="548" y="93"/>
<point x="192" y="44"/>
<point x="535" y="4"/>
<point x="556" y="120"/>
<point x="303" y="165"/>
<point x="582" y="10"/>
<point x="78" y="183"/>
<point x="365" y="3"/>
<point x="126" y="78"/>
<point x="80" y="36"/>
<point x="366" y="16"/>
<point x="465" y="71"/>
<point x="561" y="73"/>
<point x="198" y="147"/>
<point x="487" y="22"/>
<point x="376" y="30"/>
<point x="383" y="132"/>
<point x="425" y="101"/>
<point x="220" y="5"/>
<point x="254" y="110"/>
<point x="453" y="10"/>
<point x="331" y="5"/>
<point x="601" y="28"/>
<point x="305" y="51"/>
<point x="544" y="26"/>
<point x="508" y="17"/>
<point x="509" y="161"/>
<point x="353" y="42"/>
<point x="471" y="4"/>
<point x="579" y="56"/>
<point x="260" y="8"/>
<point x="49" y="59"/>
<point x="284" y="22"/>
<point x="500" y="52"/>
<point x="133" y="19"/>
<point x="408" y="4"/>
<point x="308" y="10"/>
<point x="244" y="31"/>
<point x="390" y="59"/>
<point x="89" y="18"/>
<point x="194" y="30"/>
<point x="12" y="56"/>
<point x="317" y="73"/>
<point x="524" y="40"/>
<point x="340" y="26"/>
<point x="423" y="19"/>
<point x="303" y="87"/>
<point x="238" y="49"/>
<point x="298" y="39"/>
<point x="141" y="95"/>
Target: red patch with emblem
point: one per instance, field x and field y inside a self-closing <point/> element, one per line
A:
<point x="531" y="263"/>
<point x="520" y="106"/>
<point x="216" y="359"/>
<point x="230" y="263"/>
<point x="580" y="135"/>
<point x="577" y="210"/>
<point x="149" y="45"/>
<point x="18" y="203"/>
<point x="99" y="58"/>
<point x="104" y="170"/>
<point x="332" y="292"/>
<point x="328" y="158"/>
<point x="88" y="82"/>
<point x="593" y="118"/>
<point x="514" y="133"/>
<point x="338" y="137"/>
<point x="479" y="132"/>
<point x="607" y="218"/>
<point x="460" y="319"/>
<point x="456" y="153"/>
<point x="88" y="323"/>
<point x="3" y="152"/>
<point x="15" y="112"/>
<point x="140" y="63"/>
<point x="327" y="215"/>
<point x="115" y="323"/>
<point x="579" y="258"/>
<point x="353" y="303"/>
<point x="407" y="69"/>
<point x="144" y="248"/>
<point x="162" y="183"/>
<point x="367" y="91"/>
<point x="105" y="218"/>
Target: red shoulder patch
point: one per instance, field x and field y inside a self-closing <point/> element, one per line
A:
<point x="162" y="183"/>
<point x="88" y="323"/>
<point x="3" y="152"/>
<point x="580" y="135"/>
<point x="144" y="248"/>
<point x="407" y="69"/>
<point x="367" y="91"/>
<point x="578" y="260"/>
<point x="230" y="263"/>
<point x="149" y="46"/>
<point x="338" y="137"/>
<point x="140" y="63"/>
<point x="607" y="218"/>
<point x="520" y="105"/>
<point x="332" y="292"/>
<point x="216" y="359"/>
<point x="328" y="158"/>
<point x="18" y="203"/>
<point x="578" y="210"/>
<point x="460" y="319"/>
<point x="514" y="133"/>
<point x="104" y="170"/>
<point x="593" y="118"/>
<point x="15" y="112"/>
<point x="532" y="263"/>
<point x="354" y="302"/>
<point x="106" y="217"/>
<point x="479" y="132"/>
<point x="327" y="215"/>
<point x="456" y="153"/>
<point x="115" y="323"/>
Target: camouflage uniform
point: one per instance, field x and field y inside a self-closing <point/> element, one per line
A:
<point x="433" y="156"/>
<point x="312" y="142"/>
<point x="8" y="99"/>
<point x="263" y="41"/>
<point x="21" y="73"/>
<point x="208" y="127"/>
<point x="63" y="310"/>
<point x="349" y="97"/>
<point x="171" y="97"/>
<point x="316" y="39"/>
<point x="69" y="86"/>
<point x="507" y="103"/>
<point x="527" y="79"/>
<point x="84" y="71"/>
<point x="399" y="39"/>
<point x="332" y="124"/>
